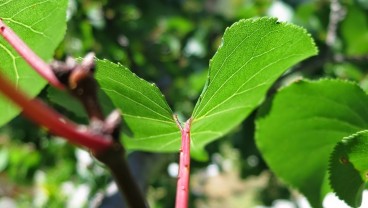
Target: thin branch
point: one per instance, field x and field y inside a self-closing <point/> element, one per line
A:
<point x="80" y="82"/>
<point x="182" y="187"/>
<point x="28" y="55"/>
<point x="114" y="159"/>
<point x="41" y="114"/>
<point x="102" y="136"/>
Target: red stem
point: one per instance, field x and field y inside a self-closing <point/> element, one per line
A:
<point x="182" y="188"/>
<point x="31" y="58"/>
<point x="56" y="123"/>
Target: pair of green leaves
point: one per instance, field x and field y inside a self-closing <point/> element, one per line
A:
<point x="296" y="132"/>
<point x="300" y="134"/>
<point x="254" y="53"/>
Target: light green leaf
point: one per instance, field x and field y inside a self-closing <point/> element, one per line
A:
<point x="144" y="109"/>
<point x="254" y="53"/>
<point x="41" y="24"/>
<point x="297" y="130"/>
<point x="348" y="168"/>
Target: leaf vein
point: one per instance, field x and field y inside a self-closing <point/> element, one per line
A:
<point x="239" y="69"/>
<point x="28" y="7"/>
<point x="147" y="118"/>
<point x="143" y="95"/>
<point x="28" y="27"/>
<point x="14" y="65"/>
<point x="141" y="104"/>
<point x="152" y="137"/>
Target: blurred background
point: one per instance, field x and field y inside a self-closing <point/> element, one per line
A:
<point x="170" y="43"/>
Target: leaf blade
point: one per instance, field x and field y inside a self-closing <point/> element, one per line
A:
<point x="253" y="55"/>
<point x="302" y="124"/>
<point x="41" y="24"/>
<point x="348" y="168"/>
<point x="144" y="109"/>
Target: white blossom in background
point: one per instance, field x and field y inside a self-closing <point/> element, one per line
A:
<point x="41" y="195"/>
<point x="84" y="160"/>
<point x="80" y="196"/>
<point x="282" y="11"/>
<point x="332" y="201"/>
<point x="302" y="202"/>
<point x="76" y="44"/>
<point x="194" y="47"/>
<point x="67" y="188"/>
<point x="252" y="161"/>
<point x="212" y="170"/>
<point x="111" y="189"/>
<point x="7" y="202"/>
<point x="173" y="170"/>
<point x="76" y="196"/>
<point x="72" y="8"/>
<point x="283" y="203"/>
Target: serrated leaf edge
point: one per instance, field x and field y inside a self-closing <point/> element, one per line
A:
<point x="244" y="21"/>
<point x="301" y="81"/>
<point x="344" y="141"/>
<point x="151" y="84"/>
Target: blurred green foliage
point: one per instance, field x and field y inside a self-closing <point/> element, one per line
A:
<point x="169" y="42"/>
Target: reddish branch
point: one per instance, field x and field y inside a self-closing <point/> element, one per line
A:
<point x="56" y="123"/>
<point x="182" y="188"/>
<point x="28" y="55"/>
<point x="102" y="136"/>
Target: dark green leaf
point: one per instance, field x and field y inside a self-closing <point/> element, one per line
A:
<point x="65" y="100"/>
<point x="297" y="130"/>
<point x="349" y="168"/>
<point x="356" y="38"/>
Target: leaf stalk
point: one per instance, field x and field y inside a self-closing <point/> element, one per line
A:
<point x="182" y="188"/>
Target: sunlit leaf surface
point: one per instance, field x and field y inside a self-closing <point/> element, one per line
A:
<point x="42" y="25"/>
<point x="254" y="53"/>
<point x="298" y="129"/>
<point x="144" y="109"/>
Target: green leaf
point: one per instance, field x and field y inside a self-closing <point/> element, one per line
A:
<point x="348" y="168"/>
<point x="254" y="53"/>
<point x="4" y="158"/>
<point x="356" y="38"/>
<point x="67" y="101"/>
<point x="144" y="109"/>
<point x="298" y="128"/>
<point x="41" y="24"/>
